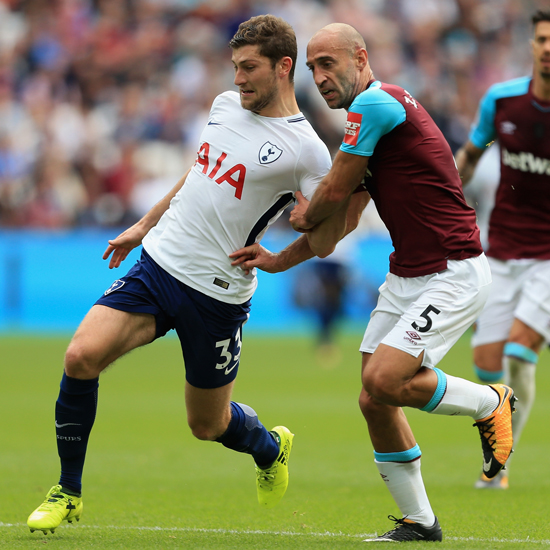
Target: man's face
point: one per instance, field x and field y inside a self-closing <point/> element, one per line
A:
<point x="541" y="49"/>
<point x="256" y="79"/>
<point x="334" y="72"/>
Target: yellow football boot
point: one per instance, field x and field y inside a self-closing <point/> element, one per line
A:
<point x="57" y="506"/>
<point x="272" y="482"/>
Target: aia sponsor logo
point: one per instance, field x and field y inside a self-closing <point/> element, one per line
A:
<point x="353" y="125"/>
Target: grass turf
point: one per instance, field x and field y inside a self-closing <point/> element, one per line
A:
<point x="149" y="484"/>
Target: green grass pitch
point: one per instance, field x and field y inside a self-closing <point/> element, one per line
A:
<point x="149" y="484"/>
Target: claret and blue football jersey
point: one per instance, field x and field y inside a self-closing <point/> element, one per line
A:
<point x="412" y="179"/>
<point x="519" y="226"/>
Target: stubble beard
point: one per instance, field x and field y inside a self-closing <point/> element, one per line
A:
<point x="263" y="101"/>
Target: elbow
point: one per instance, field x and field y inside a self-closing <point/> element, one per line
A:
<point x="322" y="249"/>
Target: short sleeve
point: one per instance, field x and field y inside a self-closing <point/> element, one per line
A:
<point x="372" y="115"/>
<point x="483" y="129"/>
<point x="314" y="165"/>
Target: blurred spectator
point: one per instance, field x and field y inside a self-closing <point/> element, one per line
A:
<point x="87" y="85"/>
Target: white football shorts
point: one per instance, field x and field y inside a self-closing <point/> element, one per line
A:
<point x="430" y="313"/>
<point x="521" y="290"/>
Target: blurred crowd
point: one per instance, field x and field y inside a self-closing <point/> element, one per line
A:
<point x="102" y="101"/>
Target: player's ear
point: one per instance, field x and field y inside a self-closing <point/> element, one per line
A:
<point x="362" y="58"/>
<point x="284" y="66"/>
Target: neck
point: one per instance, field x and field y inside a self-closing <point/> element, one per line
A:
<point x="541" y="87"/>
<point x="285" y="105"/>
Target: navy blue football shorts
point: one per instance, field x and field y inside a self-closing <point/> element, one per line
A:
<point x="210" y="331"/>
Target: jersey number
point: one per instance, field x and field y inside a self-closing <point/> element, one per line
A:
<point x="226" y="354"/>
<point x="410" y="99"/>
<point x="426" y="315"/>
<point x="234" y="176"/>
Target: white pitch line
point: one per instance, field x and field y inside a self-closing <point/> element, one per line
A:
<point x="277" y="533"/>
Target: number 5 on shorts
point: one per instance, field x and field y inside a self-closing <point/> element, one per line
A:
<point x="426" y="315"/>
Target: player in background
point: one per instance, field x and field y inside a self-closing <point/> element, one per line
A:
<point x="439" y="277"/>
<point x="515" y="322"/>
<point x="256" y="152"/>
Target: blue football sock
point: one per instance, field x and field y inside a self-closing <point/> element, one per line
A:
<point x="246" y="434"/>
<point x="74" y="417"/>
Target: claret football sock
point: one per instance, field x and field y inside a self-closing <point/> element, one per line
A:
<point x="75" y="411"/>
<point x="246" y="434"/>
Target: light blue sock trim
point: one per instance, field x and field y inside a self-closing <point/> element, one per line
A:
<point x="488" y="375"/>
<point x="403" y="456"/>
<point x="514" y="349"/>
<point x="439" y="391"/>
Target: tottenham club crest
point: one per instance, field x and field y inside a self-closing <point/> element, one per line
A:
<point x="269" y="153"/>
<point x="115" y="286"/>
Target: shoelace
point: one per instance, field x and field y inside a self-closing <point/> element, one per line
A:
<point x="486" y="432"/>
<point x="50" y="502"/>
<point x="265" y="475"/>
<point x="403" y="530"/>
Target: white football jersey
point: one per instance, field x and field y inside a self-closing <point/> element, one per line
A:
<point x="247" y="171"/>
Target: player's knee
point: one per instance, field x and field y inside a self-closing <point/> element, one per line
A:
<point x="203" y="431"/>
<point x="376" y="386"/>
<point x="370" y="407"/>
<point x="79" y="363"/>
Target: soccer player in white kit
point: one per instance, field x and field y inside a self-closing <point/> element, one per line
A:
<point x="256" y="152"/>
<point x="515" y="323"/>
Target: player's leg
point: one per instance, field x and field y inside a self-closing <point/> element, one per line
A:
<point x="212" y="416"/>
<point x="211" y="336"/>
<point x="397" y="457"/>
<point x="530" y="330"/>
<point x="104" y="335"/>
<point x="495" y="320"/>
<point x="521" y="354"/>
<point x="413" y="326"/>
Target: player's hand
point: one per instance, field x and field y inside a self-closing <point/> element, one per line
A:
<point x="298" y="214"/>
<point x="123" y="245"/>
<point x="253" y="256"/>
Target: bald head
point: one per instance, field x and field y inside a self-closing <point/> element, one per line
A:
<point x="340" y="37"/>
<point x="338" y="60"/>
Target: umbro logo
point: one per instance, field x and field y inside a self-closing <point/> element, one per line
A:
<point x="413" y="335"/>
<point x="507" y="127"/>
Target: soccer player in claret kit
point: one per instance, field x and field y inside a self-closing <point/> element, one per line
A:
<point x="515" y="322"/>
<point x="256" y="152"/>
<point x="439" y="277"/>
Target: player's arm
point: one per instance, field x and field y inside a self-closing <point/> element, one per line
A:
<point x="466" y="159"/>
<point x="132" y="237"/>
<point x="298" y="251"/>
<point x="324" y="237"/>
<point x="333" y="192"/>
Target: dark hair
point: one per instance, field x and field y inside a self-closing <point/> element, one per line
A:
<point x="540" y="16"/>
<point x="274" y="36"/>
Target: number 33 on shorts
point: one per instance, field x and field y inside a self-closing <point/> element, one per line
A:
<point x="230" y="352"/>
